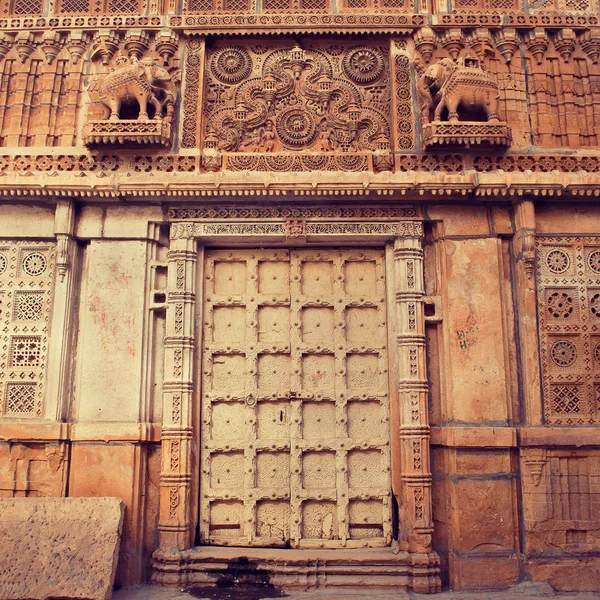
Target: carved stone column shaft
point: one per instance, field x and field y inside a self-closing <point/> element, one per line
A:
<point x="176" y="505"/>
<point x="415" y="517"/>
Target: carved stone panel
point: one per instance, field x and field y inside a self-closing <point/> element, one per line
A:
<point x="33" y="469"/>
<point x="328" y="101"/>
<point x="295" y="406"/>
<point x="569" y="313"/>
<point x="560" y="499"/>
<point x="26" y="275"/>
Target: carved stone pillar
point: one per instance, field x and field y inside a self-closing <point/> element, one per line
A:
<point x="524" y="248"/>
<point x="176" y="502"/>
<point x="416" y="524"/>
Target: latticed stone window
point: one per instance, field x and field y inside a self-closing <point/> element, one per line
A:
<point x="373" y="5"/>
<point x="26" y="274"/>
<point x="220" y="6"/>
<point x="271" y="6"/>
<point x="569" y="314"/>
<point x="99" y="7"/>
<point x="487" y="5"/>
<point x="21" y="8"/>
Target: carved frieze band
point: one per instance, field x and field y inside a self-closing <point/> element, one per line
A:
<point x="311" y="228"/>
<point x="282" y="211"/>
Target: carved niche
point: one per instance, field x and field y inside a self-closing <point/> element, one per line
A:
<point x="137" y="96"/>
<point x="283" y="107"/>
<point x="458" y="103"/>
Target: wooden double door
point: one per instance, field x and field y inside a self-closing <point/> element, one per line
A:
<point x="295" y="442"/>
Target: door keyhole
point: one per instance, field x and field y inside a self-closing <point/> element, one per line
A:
<point x="281" y="416"/>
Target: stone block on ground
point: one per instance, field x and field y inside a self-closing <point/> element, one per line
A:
<point x="59" y="547"/>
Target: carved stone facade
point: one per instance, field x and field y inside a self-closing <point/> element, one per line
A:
<point x="307" y="283"/>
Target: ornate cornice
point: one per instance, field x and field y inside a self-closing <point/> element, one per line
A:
<point x="252" y="24"/>
<point x="462" y="188"/>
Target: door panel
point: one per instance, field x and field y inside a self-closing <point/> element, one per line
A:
<point x="295" y="402"/>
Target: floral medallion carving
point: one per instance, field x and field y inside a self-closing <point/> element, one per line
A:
<point x="283" y="100"/>
<point x="363" y="65"/>
<point x="231" y="65"/>
<point x="296" y="128"/>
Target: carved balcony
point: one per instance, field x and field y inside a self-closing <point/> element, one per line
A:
<point x="439" y="134"/>
<point x="155" y="132"/>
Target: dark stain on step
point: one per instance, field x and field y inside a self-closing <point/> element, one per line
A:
<point x="241" y="580"/>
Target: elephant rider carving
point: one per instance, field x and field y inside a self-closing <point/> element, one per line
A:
<point x="462" y="85"/>
<point x="144" y="81"/>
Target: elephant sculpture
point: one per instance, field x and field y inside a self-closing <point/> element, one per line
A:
<point x="144" y="81"/>
<point x="447" y="84"/>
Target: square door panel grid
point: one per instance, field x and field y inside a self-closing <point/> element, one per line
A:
<point x="295" y="400"/>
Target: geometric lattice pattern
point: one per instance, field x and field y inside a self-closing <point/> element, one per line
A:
<point x="26" y="280"/>
<point x="565" y="399"/>
<point x="577" y="5"/>
<point x="25" y="351"/>
<point x="111" y="7"/>
<point x="28" y="306"/>
<point x="568" y="271"/>
<point x="123" y="7"/>
<point x="20" y="398"/>
<point x="271" y="6"/>
<point x="371" y="5"/>
<point x="295" y="404"/>
<point x="74" y="7"/>
<point x="26" y="7"/>
<point x="220" y="6"/>
<point x="488" y="5"/>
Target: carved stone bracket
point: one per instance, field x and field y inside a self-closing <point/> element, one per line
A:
<point x="535" y="462"/>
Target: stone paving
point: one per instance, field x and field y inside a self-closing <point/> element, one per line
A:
<point x="526" y="591"/>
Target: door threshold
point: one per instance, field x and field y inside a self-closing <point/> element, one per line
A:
<point x="206" y="566"/>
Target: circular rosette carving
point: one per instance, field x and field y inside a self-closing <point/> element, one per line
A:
<point x="563" y="353"/>
<point x="557" y="261"/>
<point x="231" y="65"/>
<point x="296" y="127"/>
<point x="363" y="65"/>
<point x="3" y="263"/>
<point x="34" y="264"/>
<point x="594" y="261"/>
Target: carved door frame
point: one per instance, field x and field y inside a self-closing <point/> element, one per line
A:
<point x="398" y="229"/>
